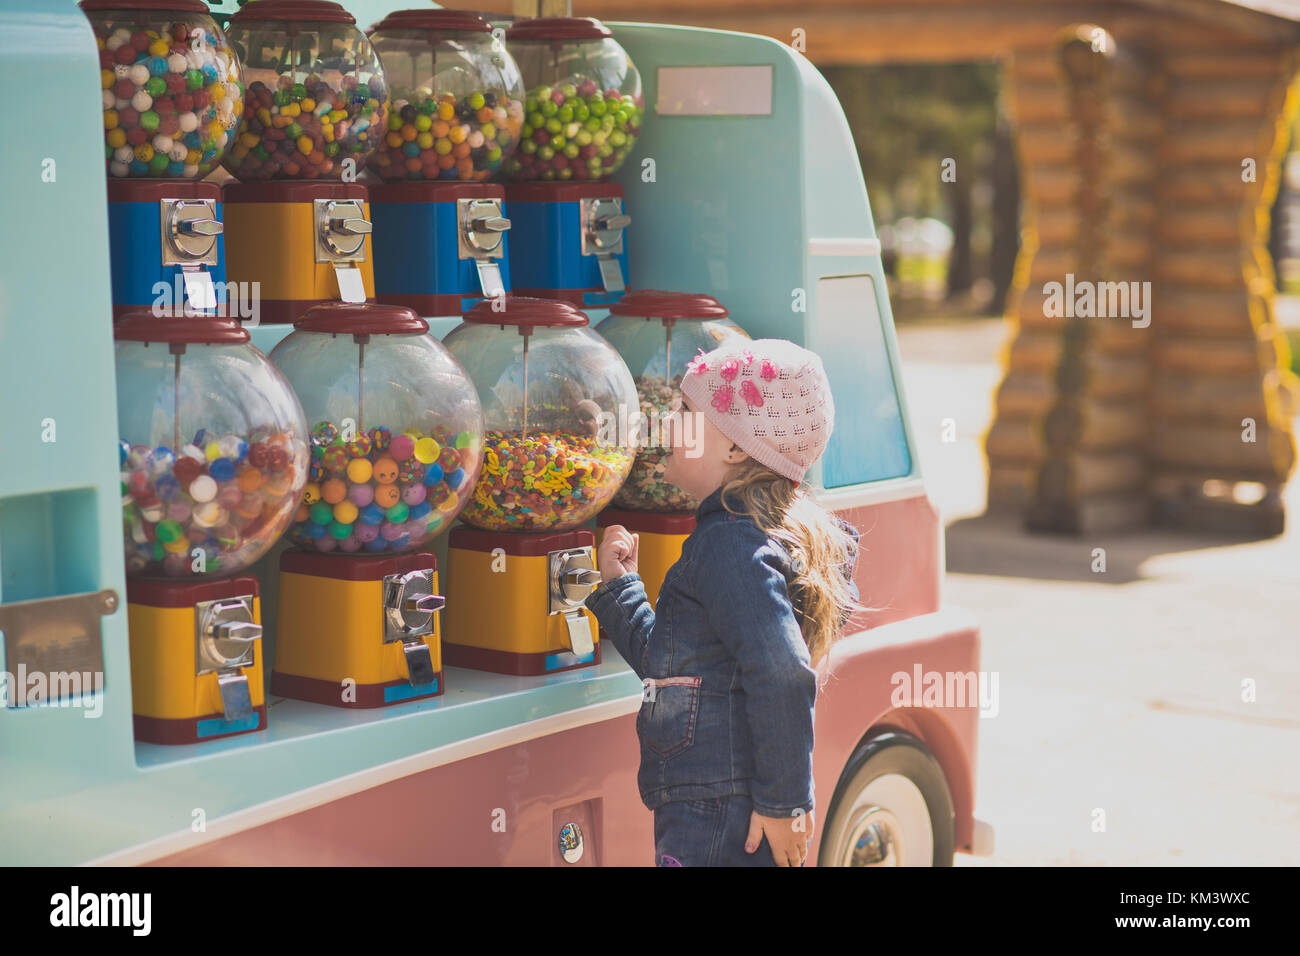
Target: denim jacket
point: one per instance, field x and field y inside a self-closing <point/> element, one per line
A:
<point x="729" y="691"/>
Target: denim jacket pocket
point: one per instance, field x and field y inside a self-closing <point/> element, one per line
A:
<point x="666" y="721"/>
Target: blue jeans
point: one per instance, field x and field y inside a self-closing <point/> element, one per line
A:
<point x="708" y="832"/>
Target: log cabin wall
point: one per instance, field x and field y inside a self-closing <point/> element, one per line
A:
<point x="1196" y="87"/>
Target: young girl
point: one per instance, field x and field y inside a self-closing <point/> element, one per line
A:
<point x="763" y="586"/>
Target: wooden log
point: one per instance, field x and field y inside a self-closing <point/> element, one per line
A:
<point x="1214" y="141"/>
<point x="1011" y="486"/>
<point x="1201" y="267"/>
<point x="1018" y="440"/>
<point x="1048" y="144"/>
<point x="1219" y="97"/>
<point x="1203" y="312"/>
<point x="1218" y="63"/>
<point x="1208" y="182"/>
<point x="1104" y="514"/>
<point x="1207" y="223"/>
<point x="1219" y="448"/>
<point x="1096" y="426"/>
<point x="1052" y="184"/>
<point x="1085" y="474"/>
<point x="1196" y="397"/>
<point x="1025" y="393"/>
<point x="1034" y="351"/>
<point x="1239" y="357"/>
<point x="1036" y="102"/>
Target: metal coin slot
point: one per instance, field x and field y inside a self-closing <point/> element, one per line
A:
<point x="409" y="606"/>
<point x="225" y="637"/>
<point x="225" y="634"/>
<point x="572" y="575"/>
<point x="341" y="230"/>
<point x="603" y="222"/>
<point x="190" y="228"/>
<point x="481" y="229"/>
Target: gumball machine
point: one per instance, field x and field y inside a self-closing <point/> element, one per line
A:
<point x="521" y="565"/>
<point x="582" y="117"/>
<point x="657" y="333"/>
<point x="173" y="99"/>
<point x="214" y="458"/>
<point x="316" y="105"/>
<point x="396" y="447"/>
<point x="456" y="115"/>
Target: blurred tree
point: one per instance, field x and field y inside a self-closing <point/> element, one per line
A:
<point x="907" y="120"/>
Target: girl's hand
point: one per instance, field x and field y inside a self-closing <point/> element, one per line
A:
<point x="617" y="553"/>
<point x="789" y="837"/>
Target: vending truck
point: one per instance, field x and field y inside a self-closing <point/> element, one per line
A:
<point x="177" y="721"/>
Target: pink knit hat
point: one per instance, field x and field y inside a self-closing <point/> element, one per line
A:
<point x="769" y="396"/>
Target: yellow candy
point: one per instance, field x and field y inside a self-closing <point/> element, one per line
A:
<point x="215" y="129"/>
<point x="265" y="116"/>
<point x="359" y="470"/>
<point x="179" y="546"/>
<point x="450" y="503"/>
<point x="308" y="104"/>
<point x="327" y="131"/>
<point x="311" y="494"/>
<point x="345" y="512"/>
<point x="427" y="451"/>
<point x="212" y="452"/>
<point x="446" y="111"/>
<point x="159" y="48"/>
<point x="106" y="78"/>
<point x="249" y="139"/>
<point x="457" y="134"/>
<point x="305" y="145"/>
<point x="443" y="146"/>
<point x="116" y="138"/>
<point x="144" y="152"/>
<point x="336" y="115"/>
<point x="193" y="157"/>
<point x="110" y="119"/>
<point x="218" y="92"/>
<point x="424" y="141"/>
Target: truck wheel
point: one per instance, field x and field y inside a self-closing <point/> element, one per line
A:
<point x="891" y="808"/>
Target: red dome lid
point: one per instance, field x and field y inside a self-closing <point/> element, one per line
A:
<point x="361" y="318"/>
<point x="434" y="19"/>
<point x="195" y="330"/>
<point x="296" y="10"/>
<point x="182" y="6"/>
<point x="660" y="304"/>
<point x="523" y="311"/>
<point x="559" y="28"/>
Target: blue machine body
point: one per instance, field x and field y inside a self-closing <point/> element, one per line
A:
<point x="135" y="255"/>
<point x="546" y="253"/>
<point x="417" y="255"/>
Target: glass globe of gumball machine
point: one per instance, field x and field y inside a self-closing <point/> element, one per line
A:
<point x="397" y="444"/>
<point x="173" y="99"/>
<point x="582" y="117"/>
<point x="214" y="458"/>
<point x="456" y="115"/>
<point x="316" y="106"/>
<point x="521" y="565"/>
<point x="658" y="333"/>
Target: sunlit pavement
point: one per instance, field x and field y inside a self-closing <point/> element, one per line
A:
<point x="1120" y="693"/>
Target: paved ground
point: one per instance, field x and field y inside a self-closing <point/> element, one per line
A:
<point x="1120" y="693"/>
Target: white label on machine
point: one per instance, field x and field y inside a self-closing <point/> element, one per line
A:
<point x="714" y="91"/>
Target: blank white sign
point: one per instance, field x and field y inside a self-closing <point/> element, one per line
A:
<point x="714" y="91"/>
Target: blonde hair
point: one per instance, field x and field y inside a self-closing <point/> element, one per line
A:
<point x="819" y="548"/>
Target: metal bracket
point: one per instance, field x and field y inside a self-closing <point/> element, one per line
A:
<point x="419" y="662"/>
<point x="603" y="221"/>
<point x="572" y="575"/>
<point x="579" y="628"/>
<point x="58" y="635"/>
<point x="236" y="701"/>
